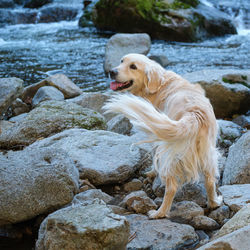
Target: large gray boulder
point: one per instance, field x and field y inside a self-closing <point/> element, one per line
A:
<point x="238" y="240"/>
<point x="228" y="90"/>
<point x="159" y="234"/>
<point x="121" y="44"/>
<point x="49" y="118"/>
<point x="91" y="226"/>
<point x="235" y="196"/>
<point x="10" y="89"/>
<point x="237" y="167"/>
<point x="102" y="157"/>
<point x="180" y="20"/>
<point x="35" y="182"/>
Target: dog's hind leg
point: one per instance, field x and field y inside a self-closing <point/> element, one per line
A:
<point x="170" y="190"/>
<point x="214" y="200"/>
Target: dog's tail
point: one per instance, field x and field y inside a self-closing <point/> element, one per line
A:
<point x="157" y="124"/>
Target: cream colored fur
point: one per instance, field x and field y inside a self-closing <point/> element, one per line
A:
<point x="178" y="118"/>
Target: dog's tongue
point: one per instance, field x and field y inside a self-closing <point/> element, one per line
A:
<point x="115" y="85"/>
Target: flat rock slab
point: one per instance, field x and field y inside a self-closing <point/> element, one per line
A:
<point x="93" y="226"/>
<point x="102" y="157"/>
<point x="49" y="118"/>
<point x="236" y="196"/>
<point x="35" y="182"/>
<point x="159" y="234"/>
<point x="10" y="89"/>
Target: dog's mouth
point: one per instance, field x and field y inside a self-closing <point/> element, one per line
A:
<point x="116" y="86"/>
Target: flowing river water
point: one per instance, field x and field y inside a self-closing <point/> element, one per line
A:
<point x="34" y="51"/>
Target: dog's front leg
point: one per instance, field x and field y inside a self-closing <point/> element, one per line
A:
<point x="170" y="190"/>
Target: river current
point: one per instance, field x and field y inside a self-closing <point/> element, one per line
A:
<point x="34" y="51"/>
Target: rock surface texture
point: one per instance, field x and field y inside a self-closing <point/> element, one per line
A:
<point x="102" y="157"/>
<point x="10" y="89"/>
<point x="49" y="118"/>
<point x="91" y="226"/>
<point x="35" y="182"/>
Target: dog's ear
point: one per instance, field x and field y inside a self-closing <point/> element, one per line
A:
<point x="153" y="79"/>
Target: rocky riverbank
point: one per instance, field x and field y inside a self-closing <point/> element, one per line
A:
<point x="71" y="177"/>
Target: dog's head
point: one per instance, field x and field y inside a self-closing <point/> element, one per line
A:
<point x="137" y="73"/>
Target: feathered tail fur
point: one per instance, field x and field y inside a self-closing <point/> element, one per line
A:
<point x="176" y="150"/>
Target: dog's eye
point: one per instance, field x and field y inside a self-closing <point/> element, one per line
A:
<point x="122" y="61"/>
<point x="132" y="66"/>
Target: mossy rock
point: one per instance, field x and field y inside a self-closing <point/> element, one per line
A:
<point x="49" y="118"/>
<point x="148" y="16"/>
<point x="178" y="20"/>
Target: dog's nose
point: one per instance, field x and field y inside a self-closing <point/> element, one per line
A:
<point x="113" y="73"/>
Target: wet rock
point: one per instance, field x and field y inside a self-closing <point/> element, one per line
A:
<point x="237" y="167"/>
<point x="236" y="240"/>
<point x="57" y="14"/>
<point x="7" y="4"/>
<point x="119" y="124"/>
<point x="159" y="234"/>
<point x="202" y="222"/>
<point x="102" y="157"/>
<point x="49" y="118"/>
<point x="235" y="196"/>
<point x="239" y="220"/>
<point x="139" y="202"/>
<point x="175" y="21"/>
<point x="220" y="214"/>
<point x="10" y="89"/>
<point x="76" y="227"/>
<point x="227" y="98"/>
<point x="121" y="44"/>
<point x="185" y="212"/>
<point x="86" y="19"/>
<point x="91" y="195"/>
<point x="133" y="185"/>
<point x="35" y="182"/>
<point x="9" y="16"/>
<point x="59" y="81"/>
<point x="19" y="107"/>
<point x="36" y="3"/>
<point x="215" y="22"/>
<point x="47" y="93"/>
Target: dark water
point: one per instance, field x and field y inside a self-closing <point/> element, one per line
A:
<point x="34" y="51"/>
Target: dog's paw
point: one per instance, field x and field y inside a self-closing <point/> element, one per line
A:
<point x="156" y="214"/>
<point x="217" y="202"/>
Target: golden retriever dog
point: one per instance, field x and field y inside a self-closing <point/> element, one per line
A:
<point x="177" y="117"/>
